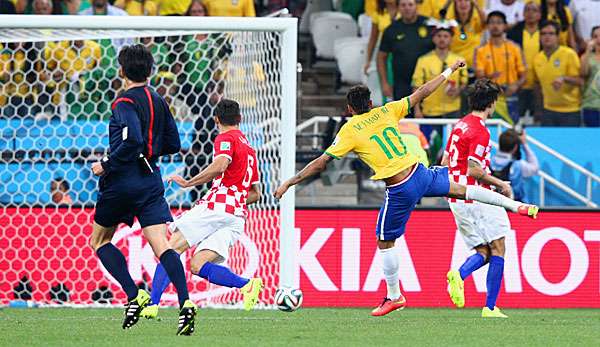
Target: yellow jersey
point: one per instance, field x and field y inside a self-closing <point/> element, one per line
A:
<point x="506" y="59"/>
<point x="468" y="37"/>
<point x="171" y="7"/>
<point x="137" y="7"/>
<point x="563" y="36"/>
<point x="531" y="47"/>
<point x="431" y="8"/>
<point x="375" y="138"/>
<point x="66" y="57"/>
<point x="563" y="62"/>
<point x="383" y="20"/>
<point x="428" y="67"/>
<point x="230" y="8"/>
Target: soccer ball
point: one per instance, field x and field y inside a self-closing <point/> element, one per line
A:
<point x="288" y="299"/>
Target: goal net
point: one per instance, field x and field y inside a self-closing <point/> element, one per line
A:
<point x="58" y="79"/>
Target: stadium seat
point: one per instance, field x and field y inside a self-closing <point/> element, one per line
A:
<point x="371" y="80"/>
<point x="326" y="27"/>
<point x="350" y="54"/>
<point x="312" y="6"/>
<point x="364" y="25"/>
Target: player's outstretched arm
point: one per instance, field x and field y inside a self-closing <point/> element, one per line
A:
<point x="216" y="168"/>
<point x="314" y="167"/>
<point x="481" y="176"/>
<point x="428" y="88"/>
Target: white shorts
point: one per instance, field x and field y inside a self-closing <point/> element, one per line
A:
<point x="480" y="224"/>
<point x="207" y="229"/>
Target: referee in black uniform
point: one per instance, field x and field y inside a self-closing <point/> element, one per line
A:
<point x="141" y="130"/>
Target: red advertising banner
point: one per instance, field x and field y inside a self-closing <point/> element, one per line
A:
<point x="50" y="247"/>
<point x="550" y="262"/>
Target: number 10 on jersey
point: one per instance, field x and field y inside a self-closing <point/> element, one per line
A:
<point x="387" y="143"/>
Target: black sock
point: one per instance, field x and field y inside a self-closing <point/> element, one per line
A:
<point x="115" y="263"/>
<point x="172" y="264"/>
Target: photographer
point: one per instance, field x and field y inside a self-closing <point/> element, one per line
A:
<point x="507" y="164"/>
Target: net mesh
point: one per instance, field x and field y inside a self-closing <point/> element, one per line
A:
<point x="56" y="90"/>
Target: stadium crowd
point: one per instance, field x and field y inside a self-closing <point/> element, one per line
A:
<point x="545" y="55"/>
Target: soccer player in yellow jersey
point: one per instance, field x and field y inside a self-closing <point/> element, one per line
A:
<point x="372" y="134"/>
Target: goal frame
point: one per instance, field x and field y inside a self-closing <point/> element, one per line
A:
<point x="288" y="27"/>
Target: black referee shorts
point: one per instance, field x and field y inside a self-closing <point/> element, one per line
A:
<point x="123" y="197"/>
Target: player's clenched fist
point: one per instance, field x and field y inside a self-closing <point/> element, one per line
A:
<point x="458" y="64"/>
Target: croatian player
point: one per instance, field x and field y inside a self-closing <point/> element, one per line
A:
<point x="483" y="227"/>
<point x="141" y="130"/>
<point x="218" y="219"/>
<point x="372" y="135"/>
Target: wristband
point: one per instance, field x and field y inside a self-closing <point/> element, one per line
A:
<point x="447" y="73"/>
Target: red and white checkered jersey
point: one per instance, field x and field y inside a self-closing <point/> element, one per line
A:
<point x="469" y="140"/>
<point x="230" y="190"/>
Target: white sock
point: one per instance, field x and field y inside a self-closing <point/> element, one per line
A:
<point x="391" y="264"/>
<point x="489" y="197"/>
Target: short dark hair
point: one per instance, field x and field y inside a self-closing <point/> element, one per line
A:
<point x="228" y="112"/>
<point x="508" y="140"/>
<point x="437" y="30"/>
<point x="482" y="94"/>
<point x="137" y="62"/>
<point x="358" y="98"/>
<point x="498" y="14"/>
<point x="594" y="29"/>
<point x="549" y="23"/>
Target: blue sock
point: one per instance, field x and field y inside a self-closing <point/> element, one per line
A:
<point x="115" y="263"/>
<point x="494" y="280"/>
<point x="472" y="263"/>
<point x="173" y="267"/>
<point x="160" y="282"/>
<point x="222" y="276"/>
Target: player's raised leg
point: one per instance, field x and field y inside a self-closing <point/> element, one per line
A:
<point x="115" y="263"/>
<point x="458" y="191"/>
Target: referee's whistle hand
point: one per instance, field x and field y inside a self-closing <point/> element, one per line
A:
<point x="97" y="169"/>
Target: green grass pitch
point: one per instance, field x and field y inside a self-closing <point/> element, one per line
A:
<point x="306" y="327"/>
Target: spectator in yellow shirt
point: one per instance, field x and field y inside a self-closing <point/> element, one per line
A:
<point x="66" y="64"/>
<point x="557" y="72"/>
<point x="138" y="7"/>
<point x="471" y="23"/>
<point x="501" y="60"/>
<point x="173" y="7"/>
<point x="197" y="9"/>
<point x="557" y="11"/>
<point x="445" y="101"/>
<point x="17" y="79"/>
<point x="230" y="8"/>
<point x="527" y="35"/>
<point x="439" y="9"/>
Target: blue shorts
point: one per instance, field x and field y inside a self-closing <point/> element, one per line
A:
<point x="402" y="198"/>
<point x="122" y="197"/>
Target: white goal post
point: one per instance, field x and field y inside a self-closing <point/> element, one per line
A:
<point x="281" y="112"/>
